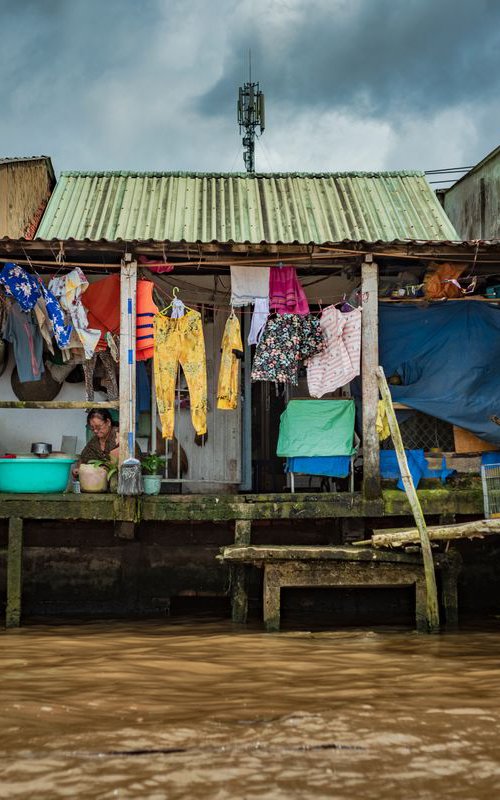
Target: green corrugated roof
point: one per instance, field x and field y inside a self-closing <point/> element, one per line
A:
<point x="238" y="207"/>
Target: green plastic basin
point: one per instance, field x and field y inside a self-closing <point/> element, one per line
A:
<point x="33" y="475"/>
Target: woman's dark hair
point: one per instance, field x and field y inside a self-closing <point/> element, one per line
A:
<point x="101" y="413"/>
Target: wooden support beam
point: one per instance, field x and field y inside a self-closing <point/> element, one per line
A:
<point x="128" y="288"/>
<point x="14" y="573"/>
<point x="369" y="364"/>
<point x="432" y="608"/>
<point x="240" y="574"/>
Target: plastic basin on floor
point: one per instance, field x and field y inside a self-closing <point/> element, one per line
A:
<point x="34" y="475"/>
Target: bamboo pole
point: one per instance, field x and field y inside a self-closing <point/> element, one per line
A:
<point x="387" y="537"/>
<point x="432" y="608"/>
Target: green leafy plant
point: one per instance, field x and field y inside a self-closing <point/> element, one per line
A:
<point x="153" y="464"/>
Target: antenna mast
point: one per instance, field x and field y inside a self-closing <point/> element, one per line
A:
<point x="250" y="116"/>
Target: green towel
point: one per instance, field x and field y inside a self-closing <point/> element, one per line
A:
<point x="316" y="428"/>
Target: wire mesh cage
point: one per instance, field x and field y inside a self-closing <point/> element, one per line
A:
<point x="423" y="432"/>
<point x="490" y="475"/>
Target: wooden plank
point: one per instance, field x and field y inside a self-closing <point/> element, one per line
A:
<point x="432" y="607"/>
<point x="259" y="553"/>
<point x="369" y="364"/>
<point x="128" y="288"/>
<point x="58" y="404"/>
<point x="14" y="573"/>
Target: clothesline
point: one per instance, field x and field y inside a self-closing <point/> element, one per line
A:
<point x="324" y="254"/>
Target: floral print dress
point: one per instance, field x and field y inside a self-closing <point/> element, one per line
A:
<point x="287" y="340"/>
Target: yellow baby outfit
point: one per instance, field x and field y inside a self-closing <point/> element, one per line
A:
<point x="232" y="352"/>
<point x="180" y="341"/>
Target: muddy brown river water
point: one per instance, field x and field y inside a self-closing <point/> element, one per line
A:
<point x="163" y="709"/>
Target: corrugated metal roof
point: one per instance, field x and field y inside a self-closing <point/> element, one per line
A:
<point x="238" y="207"/>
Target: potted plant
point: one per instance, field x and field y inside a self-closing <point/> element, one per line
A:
<point x="153" y="468"/>
<point x="96" y="475"/>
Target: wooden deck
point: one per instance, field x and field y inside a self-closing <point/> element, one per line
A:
<point x="232" y="507"/>
<point x="127" y="512"/>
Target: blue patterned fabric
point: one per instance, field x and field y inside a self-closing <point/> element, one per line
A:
<point x="20" y="285"/>
<point x="26" y="289"/>
<point x="62" y="332"/>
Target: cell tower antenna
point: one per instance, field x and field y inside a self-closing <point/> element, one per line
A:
<point x="251" y="115"/>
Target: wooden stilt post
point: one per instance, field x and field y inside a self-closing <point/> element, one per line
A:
<point x="128" y="286"/>
<point x="239" y="574"/>
<point x="369" y="364"/>
<point x="14" y="573"/>
<point x="432" y="608"/>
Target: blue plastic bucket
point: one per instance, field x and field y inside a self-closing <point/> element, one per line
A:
<point x="34" y="475"/>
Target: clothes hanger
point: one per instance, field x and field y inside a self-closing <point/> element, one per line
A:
<point x="175" y="297"/>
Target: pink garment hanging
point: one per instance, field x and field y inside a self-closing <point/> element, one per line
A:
<point x="339" y="363"/>
<point x="155" y="266"/>
<point x="286" y="295"/>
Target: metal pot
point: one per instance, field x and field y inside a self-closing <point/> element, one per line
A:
<point x="41" y="449"/>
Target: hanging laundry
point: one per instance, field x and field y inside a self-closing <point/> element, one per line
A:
<point x="20" y="285"/>
<point x="180" y="341"/>
<point x="44" y="323"/>
<point x="382" y="422"/>
<point x="259" y="319"/>
<point x="145" y="311"/>
<point x="62" y="332"/>
<point x="110" y="381"/>
<point x="309" y="428"/>
<point x="339" y="362"/>
<point x="24" y="334"/>
<point x="142" y="390"/>
<point x="102" y="301"/>
<point x="232" y="353"/>
<point x="159" y="267"/>
<point x="287" y="339"/>
<point x="286" y="295"/>
<point x="69" y="289"/>
<point x="248" y="283"/>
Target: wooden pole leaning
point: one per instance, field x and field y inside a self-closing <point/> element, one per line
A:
<point x="432" y="608"/>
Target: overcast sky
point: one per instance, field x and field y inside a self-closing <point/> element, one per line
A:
<point x="152" y="84"/>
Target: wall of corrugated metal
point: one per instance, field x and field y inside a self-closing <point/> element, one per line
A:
<point x="243" y="208"/>
<point x="473" y="203"/>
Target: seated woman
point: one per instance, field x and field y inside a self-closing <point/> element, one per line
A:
<point x="104" y="443"/>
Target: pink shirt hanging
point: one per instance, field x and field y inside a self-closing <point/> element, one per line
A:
<point x="286" y="295"/>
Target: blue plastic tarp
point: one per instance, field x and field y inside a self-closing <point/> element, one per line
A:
<point x="330" y="466"/>
<point x="448" y="358"/>
<point x="417" y="464"/>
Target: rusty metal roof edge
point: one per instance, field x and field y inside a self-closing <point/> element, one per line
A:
<point x="473" y="244"/>
<point x="247" y="175"/>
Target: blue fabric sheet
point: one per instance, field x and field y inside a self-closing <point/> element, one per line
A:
<point x="330" y="466"/>
<point x="142" y="389"/>
<point x="417" y="464"/>
<point x="493" y="457"/>
<point x="448" y="358"/>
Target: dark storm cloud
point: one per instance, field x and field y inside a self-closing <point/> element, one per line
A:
<point x="379" y="57"/>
